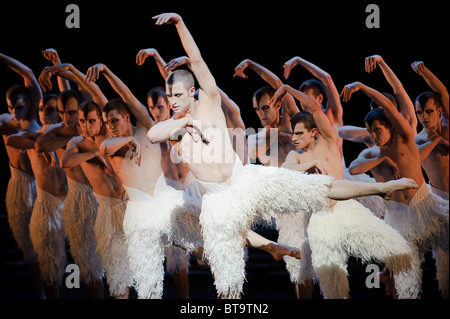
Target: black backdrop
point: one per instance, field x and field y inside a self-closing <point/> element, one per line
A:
<point x="333" y="35"/>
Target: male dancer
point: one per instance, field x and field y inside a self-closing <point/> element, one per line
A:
<point x="420" y="216"/>
<point x="235" y="194"/>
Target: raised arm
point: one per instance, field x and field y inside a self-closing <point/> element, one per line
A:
<point x="398" y="122"/>
<point x="53" y="56"/>
<point x="309" y="105"/>
<point x="288" y="102"/>
<point x="160" y="63"/>
<point x="403" y="99"/>
<point x="435" y="84"/>
<point x="135" y="106"/>
<point x="70" y="72"/>
<point x="199" y="68"/>
<point x="333" y="108"/>
<point x="29" y="79"/>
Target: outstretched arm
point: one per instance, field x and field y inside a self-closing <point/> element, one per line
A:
<point x="136" y="107"/>
<point x="29" y="79"/>
<point x="333" y="107"/>
<point x="199" y="68"/>
<point x="399" y="123"/>
<point x="403" y="99"/>
<point x="435" y="84"/>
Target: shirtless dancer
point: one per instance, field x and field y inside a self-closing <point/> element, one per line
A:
<point x="351" y="229"/>
<point x="22" y="102"/>
<point x="400" y="99"/>
<point x="420" y="216"/>
<point x="235" y="194"/>
<point x="236" y="129"/>
<point x="46" y="224"/>
<point x="80" y="208"/>
<point x="156" y="214"/>
<point x="432" y="109"/>
<point x="83" y="151"/>
<point x="271" y="146"/>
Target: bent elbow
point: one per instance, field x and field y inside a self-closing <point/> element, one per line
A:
<point x="153" y="137"/>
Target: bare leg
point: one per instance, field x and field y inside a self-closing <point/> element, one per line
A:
<point x="277" y="251"/>
<point x="95" y="290"/>
<point x="344" y="189"/>
<point x="304" y="290"/>
<point x="181" y="282"/>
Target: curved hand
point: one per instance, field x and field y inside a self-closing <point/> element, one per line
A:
<point x="370" y="63"/>
<point x="289" y="65"/>
<point x="166" y="18"/>
<point x="239" y="70"/>
<point x="173" y="64"/>
<point x="93" y="73"/>
<point x="348" y="90"/>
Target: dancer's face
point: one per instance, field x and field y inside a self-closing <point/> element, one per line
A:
<point x="179" y="97"/>
<point x="118" y="124"/>
<point x="267" y="113"/>
<point x="90" y="125"/>
<point x="302" y="137"/>
<point x="69" y="112"/>
<point x="48" y="113"/>
<point x="161" y="111"/>
<point x="379" y="133"/>
<point x="428" y="114"/>
<point x="20" y="108"/>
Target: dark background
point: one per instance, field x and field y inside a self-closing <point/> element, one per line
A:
<point x="332" y="35"/>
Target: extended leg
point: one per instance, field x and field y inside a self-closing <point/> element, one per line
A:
<point x="345" y="189"/>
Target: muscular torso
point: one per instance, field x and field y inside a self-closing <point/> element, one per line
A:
<point x="436" y="164"/>
<point x="144" y="176"/>
<point x="102" y="184"/>
<point x="329" y="156"/>
<point x="18" y="158"/>
<point x="49" y="176"/>
<point x="406" y="155"/>
<point x="211" y="161"/>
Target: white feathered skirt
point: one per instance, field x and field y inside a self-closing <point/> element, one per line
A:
<point x="152" y="223"/>
<point x="79" y="214"/>
<point x="292" y="231"/>
<point x="111" y="244"/>
<point x="256" y="191"/>
<point x="20" y="197"/>
<point x="424" y="223"/>
<point x="47" y="236"/>
<point x="352" y="230"/>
